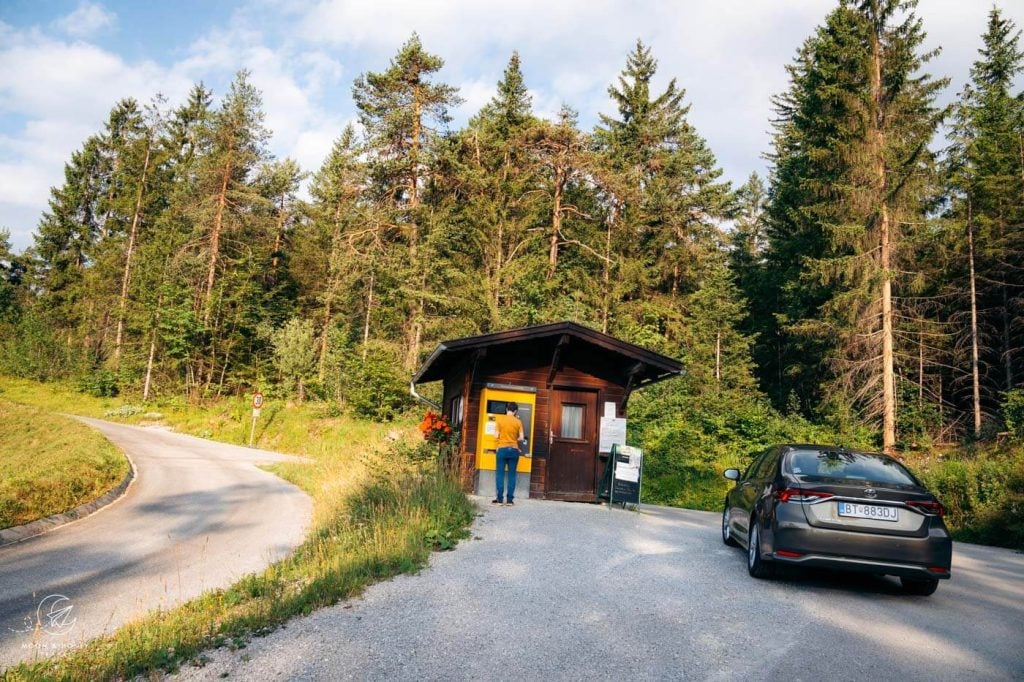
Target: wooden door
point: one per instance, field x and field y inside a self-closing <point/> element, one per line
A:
<point x="572" y="457"/>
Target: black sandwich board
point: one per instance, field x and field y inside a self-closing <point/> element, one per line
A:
<point x="620" y="483"/>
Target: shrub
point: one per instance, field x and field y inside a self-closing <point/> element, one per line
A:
<point x="1013" y="412"/>
<point x="101" y="383"/>
<point x="983" y="496"/>
<point x="374" y="386"/>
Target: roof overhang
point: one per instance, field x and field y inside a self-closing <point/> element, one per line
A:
<point x="642" y="367"/>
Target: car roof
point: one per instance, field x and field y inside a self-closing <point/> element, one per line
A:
<point x="831" y="448"/>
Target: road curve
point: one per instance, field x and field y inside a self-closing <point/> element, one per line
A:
<point x="550" y="590"/>
<point x="199" y="515"/>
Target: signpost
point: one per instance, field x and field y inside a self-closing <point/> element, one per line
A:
<point x="627" y="467"/>
<point x="257" y="405"/>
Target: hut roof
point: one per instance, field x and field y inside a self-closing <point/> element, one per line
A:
<point x="641" y="366"/>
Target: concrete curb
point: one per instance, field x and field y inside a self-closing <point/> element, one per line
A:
<point x="9" y="536"/>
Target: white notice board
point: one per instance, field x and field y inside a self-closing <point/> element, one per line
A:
<point x="613" y="432"/>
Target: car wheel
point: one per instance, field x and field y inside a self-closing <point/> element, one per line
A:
<point x="726" y="531"/>
<point x="756" y="566"/>
<point x="919" y="586"/>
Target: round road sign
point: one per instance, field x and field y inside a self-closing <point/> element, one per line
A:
<point x="257" y="400"/>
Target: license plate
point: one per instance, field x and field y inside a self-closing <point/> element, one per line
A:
<point x="869" y="511"/>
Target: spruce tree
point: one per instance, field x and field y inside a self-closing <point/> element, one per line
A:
<point x="986" y="182"/>
<point x="497" y="212"/>
<point x="851" y="158"/>
<point x="663" y="200"/>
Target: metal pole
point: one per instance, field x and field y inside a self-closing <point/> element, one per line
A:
<point x="640" y="482"/>
<point x="252" y="431"/>
<point x="611" y="484"/>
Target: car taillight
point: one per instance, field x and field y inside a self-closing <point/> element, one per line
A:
<point x="801" y="496"/>
<point x="927" y="506"/>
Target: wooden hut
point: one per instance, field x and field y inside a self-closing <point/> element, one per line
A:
<point x="572" y="385"/>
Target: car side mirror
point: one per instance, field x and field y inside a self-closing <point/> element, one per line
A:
<point x="732" y="474"/>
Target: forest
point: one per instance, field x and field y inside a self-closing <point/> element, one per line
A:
<point x="868" y="291"/>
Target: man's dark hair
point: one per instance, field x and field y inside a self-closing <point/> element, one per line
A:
<point x="511" y="407"/>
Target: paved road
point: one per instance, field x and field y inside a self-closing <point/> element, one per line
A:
<point x="576" y="592"/>
<point x="199" y="515"/>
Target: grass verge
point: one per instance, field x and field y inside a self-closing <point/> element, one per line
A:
<point x="381" y="505"/>
<point x="50" y="464"/>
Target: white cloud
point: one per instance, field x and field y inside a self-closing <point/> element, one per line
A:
<point x="475" y="94"/>
<point x="88" y="19"/>
<point x="730" y="56"/>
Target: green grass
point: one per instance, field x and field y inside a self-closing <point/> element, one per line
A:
<point x="379" y="510"/>
<point x="50" y="464"/>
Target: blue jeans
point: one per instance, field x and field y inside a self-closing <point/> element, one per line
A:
<point x="506" y="457"/>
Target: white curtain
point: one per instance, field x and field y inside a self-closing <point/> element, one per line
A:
<point x="572" y="421"/>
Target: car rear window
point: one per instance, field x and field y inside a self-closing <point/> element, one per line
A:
<point x="855" y="466"/>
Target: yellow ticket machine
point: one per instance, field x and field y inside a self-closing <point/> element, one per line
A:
<point x="493" y="399"/>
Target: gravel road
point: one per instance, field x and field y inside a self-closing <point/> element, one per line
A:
<point x="560" y="591"/>
<point x="199" y="515"/>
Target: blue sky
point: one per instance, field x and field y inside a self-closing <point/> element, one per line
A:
<point x="64" y="63"/>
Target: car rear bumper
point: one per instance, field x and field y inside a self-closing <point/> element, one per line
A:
<point x="851" y="550"/>
<point x="863" y="566"/>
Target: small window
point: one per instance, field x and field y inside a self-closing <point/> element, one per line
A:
<point x="455" y="410"/>
<point x="572" y="421"/>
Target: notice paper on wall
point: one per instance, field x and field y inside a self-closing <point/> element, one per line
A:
<point x="613" y="432"/>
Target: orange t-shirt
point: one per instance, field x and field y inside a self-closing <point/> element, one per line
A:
<point x="509" y="428"/>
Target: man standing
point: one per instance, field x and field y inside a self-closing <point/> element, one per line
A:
<point x="510" y="434"/>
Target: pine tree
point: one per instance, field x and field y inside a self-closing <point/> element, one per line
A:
<point x="399" y="109"/>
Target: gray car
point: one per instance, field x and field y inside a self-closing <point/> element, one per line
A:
<point x="821" y="506"/>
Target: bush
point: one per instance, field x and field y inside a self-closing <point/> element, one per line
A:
<point x="983" y="495"/>
<point x="1013" y="412"/>
<point x="374" y="387"/>
<point x="100" y="383"/>
<point x="690" y="438"/>
<point x="30" y="350"/>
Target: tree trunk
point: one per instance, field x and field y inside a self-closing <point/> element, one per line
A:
<point x="369" y="309"/>
<point x="556" y="219"/>
<point x="218" y="223"/>
<point x="606" y="274"/>
<point x="878" y="143"/>
<point x="277" y="242"/>
<point x="415" y="326"/>
<point x="129" y="251"/>
<point x="718" y="357"/>
<point x="332" y="286"/>
<point x="322" y="365"/>
<point x="975" y="374"/>
<point x="1007" y="348"/>
<point x="920" y="370"/>
<point x="152" y="351"/>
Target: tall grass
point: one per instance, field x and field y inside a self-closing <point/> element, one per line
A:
<point x="50" y="464"/>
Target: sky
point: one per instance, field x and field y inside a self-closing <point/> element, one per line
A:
<point x="65" y="63"/>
